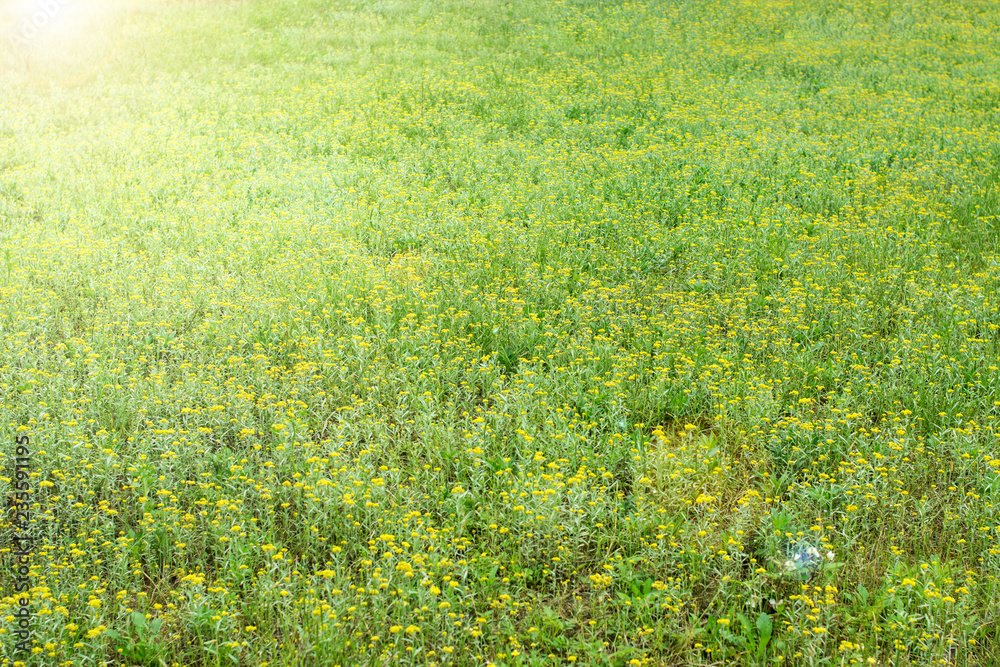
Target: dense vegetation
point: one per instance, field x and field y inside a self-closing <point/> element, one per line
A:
<point x="654" y="333"/>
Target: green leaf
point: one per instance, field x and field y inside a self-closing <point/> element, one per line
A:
<point x="764" y="629"/>
<point x="139" y="620"/>
<point x="744" y="623"/>
<point x="863" y="594"/>
<point x="154" y="627"/>
<point x="733" y="639"/>
<point x="764" y="625"/>
<point x="112" y="634"/>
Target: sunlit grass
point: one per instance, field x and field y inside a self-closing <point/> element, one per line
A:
<point x="459" y="333"/>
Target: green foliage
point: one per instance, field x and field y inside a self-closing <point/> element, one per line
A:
<point x="527" y="333"/>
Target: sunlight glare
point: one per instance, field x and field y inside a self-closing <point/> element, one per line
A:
<point x="62" y="40"/>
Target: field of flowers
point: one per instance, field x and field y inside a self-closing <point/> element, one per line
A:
<point x="467" y="333"/>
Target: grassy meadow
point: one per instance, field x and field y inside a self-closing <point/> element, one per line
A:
<point x="541" y="333"/>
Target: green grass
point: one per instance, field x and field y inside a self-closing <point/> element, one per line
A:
<point x="462" y="333"/>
